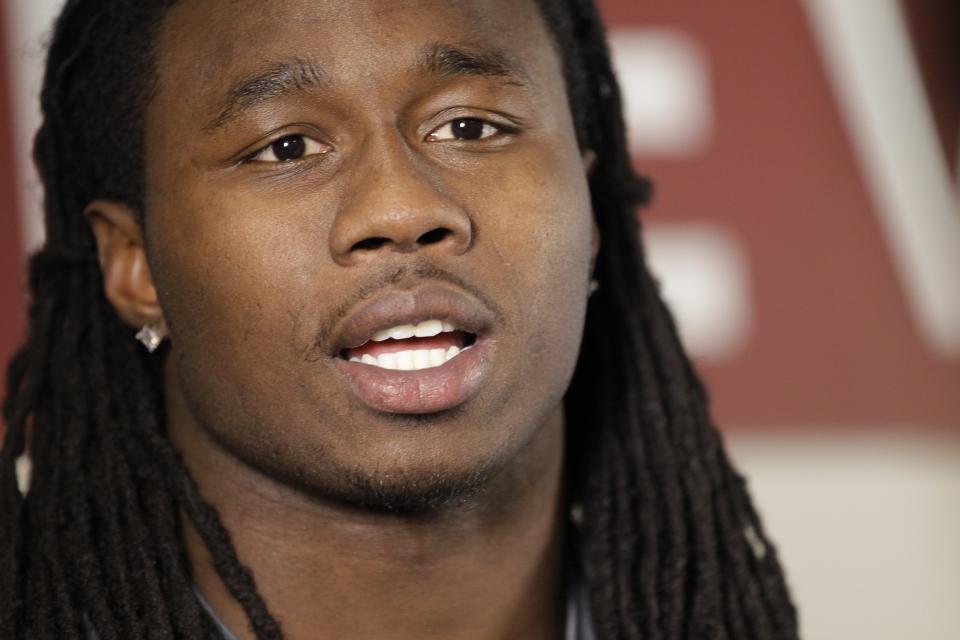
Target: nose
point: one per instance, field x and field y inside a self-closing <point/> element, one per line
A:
<point x="397" y="206"/>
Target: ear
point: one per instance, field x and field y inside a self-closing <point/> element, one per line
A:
<point x="127" y="282"/>
<point x="589" y="158"/>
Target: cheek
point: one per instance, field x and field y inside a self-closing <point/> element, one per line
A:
<point x="234" y="279"/>
<point x="543" y="233"/>
<point x="536" y="228"/>
<point x="243" y="286"/>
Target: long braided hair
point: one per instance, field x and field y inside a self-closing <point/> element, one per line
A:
<point x="672" y="546"/>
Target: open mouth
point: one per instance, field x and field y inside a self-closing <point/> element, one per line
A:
<point x="412" y="347"/>
<point x="418" y="350"/>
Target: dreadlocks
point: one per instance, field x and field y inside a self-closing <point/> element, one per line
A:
<point x="673" y="548"/>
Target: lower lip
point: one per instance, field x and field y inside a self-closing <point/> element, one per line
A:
<point x="422" y="391"/>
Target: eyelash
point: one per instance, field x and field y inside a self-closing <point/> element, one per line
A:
<point x="311" y="147"/>
<point x="488" y="130"/>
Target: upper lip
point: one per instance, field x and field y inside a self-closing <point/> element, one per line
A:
<point x="396" y="307"/>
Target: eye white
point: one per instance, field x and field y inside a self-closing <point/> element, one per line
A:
<point x="289" y="149"/>
<point x="449" y="131"/>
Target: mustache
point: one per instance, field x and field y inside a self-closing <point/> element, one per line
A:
<point x="403" y="276"/>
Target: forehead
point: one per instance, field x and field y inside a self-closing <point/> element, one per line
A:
<point x="213" y="41"/>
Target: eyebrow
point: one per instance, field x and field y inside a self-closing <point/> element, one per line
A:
<point x="453" y="61"/>
<point x="299" y="74"/>
<point x="279" y="79"/>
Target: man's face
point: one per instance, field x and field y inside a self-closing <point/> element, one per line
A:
<point x="319" y="172"/>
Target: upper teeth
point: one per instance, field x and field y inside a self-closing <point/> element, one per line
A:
<point x="412" y="360"/>
<point x="425" y="329"/>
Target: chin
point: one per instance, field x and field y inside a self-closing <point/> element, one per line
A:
<point x="407" y="490"/>
<point x="420" y="492"/>
<point x="412" y="463"/>
<point x="413" y="478"/>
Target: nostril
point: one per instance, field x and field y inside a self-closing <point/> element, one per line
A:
<point x="373" y="243"/>
<point x="433" y="236"/>
<point x="370" y="243"/>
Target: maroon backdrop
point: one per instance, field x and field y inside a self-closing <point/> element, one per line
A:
<point x="833" y="343"/>
<point x="11" y="255"/>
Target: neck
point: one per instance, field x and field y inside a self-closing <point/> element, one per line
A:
<point x="488" y="569"/>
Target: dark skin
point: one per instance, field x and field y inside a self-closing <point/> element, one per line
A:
<point x="360" y="523"/>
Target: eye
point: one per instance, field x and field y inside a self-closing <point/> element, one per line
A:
<point x="464" y="129"/>
<point x="289" y="149"/>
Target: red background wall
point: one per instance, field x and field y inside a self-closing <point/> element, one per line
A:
<point x="833" y="342"/>
<point x="11" y="255"/>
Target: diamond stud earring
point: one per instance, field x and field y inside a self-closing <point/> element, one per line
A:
<point x="594" y="285"/>
<point x="151" y="335"/>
